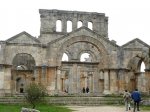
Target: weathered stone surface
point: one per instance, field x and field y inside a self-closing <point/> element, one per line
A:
<point x="108" y="69"/>
<point x="29" y="110"/>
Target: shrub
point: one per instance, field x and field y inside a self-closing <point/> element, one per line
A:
<point x="35" y="93"/>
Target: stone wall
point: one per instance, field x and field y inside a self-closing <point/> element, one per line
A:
<point x="110" y="69"/>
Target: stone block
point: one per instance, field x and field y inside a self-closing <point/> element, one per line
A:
<point x="29" y="110"/>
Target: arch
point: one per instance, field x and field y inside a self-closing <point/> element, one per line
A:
<point x="142" y="67"/>
<point x="79" y="24"/>
<point x="135" y="62"/>
<point x="69" y="26"/>
<point x="58" y="26"/>
<point x="90" y="25"/>
<point x="65" y="57"/>
<point x="85" y="57"/>
<point x="23" y="61"/>
<point x="104" y="54"/>
<point x="93" y="57"/>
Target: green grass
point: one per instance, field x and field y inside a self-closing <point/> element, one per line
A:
<point x="145" y="107"/>
<point x="47" y="108"/>
<point x="41" y="107"/>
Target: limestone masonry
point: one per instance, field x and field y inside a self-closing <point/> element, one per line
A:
<point x="108" y="69"/>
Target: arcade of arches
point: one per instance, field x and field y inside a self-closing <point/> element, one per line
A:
<point x="67" y="60"/>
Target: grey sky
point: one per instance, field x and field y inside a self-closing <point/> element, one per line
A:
<point x="128" y="19"/>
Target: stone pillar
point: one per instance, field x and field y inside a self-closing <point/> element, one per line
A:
<point x="51" y="79"/>
<point x="138" y="81"/>
<point x="58" y="80"/>
<point x="100" y="82"/>
<point x="147" y="80"/>
<point x="85" y="23"/>
<point x="86" y="81"/>
<point x="141" y="81"/>
<point x="73" y="79"/>
<point x="64" y="26"/>
<point x="132" y="81"/>
<point x="91" y="83"/>
<point x="74" y="24"/>
<point x="113" y="81"/>
<point x="106" y="82"/>
<point x="144" y="82"/>
<point x="106" y="27"/>
<point x="56" y="87"/>
<point x="35" y="72"/>
<point x="121" y="80"/>
<point x="95" y="82"/>
<point x="1" y="80"/>
<point x="44" y="74"/>
<point x="7" y="80"/>
<point x="78" y="80"/>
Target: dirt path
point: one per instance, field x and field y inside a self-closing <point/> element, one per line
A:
<point x="99" y="109"/>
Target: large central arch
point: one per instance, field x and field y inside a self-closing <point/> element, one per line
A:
<point x="104" y="54"/>
<point x="82" y="74"/>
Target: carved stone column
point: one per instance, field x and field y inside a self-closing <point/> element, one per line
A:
<point x="58" y="79"/>
<point x="106" y="82"/>
<point x="147" y="77"/>
<point x="73" y="79"/>
<point x="85" y="23"/>
<point x="74" y="24"/>
<point x="113" y="81"/>
<point x="64" y="26"/>
<point x="2" y="80"/>
<point x="7" y="79"/>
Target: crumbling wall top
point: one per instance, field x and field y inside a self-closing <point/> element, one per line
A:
<point x="49" y="18"/>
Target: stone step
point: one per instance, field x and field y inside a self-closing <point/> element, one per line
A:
<point x="65" y="100"/>
<point x="82" y="101"/>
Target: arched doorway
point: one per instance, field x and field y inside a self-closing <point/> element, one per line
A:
<point x="137" y="66"/>
<point x="22" y="72"/>
<point x="97" y="57"/>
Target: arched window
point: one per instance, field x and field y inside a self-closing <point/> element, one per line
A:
<point x="65" y="57"/>
<point x="90" y="25"/>
<point x="85" y="57"/>
<point x="79" y="24"/>
<point x="69" y="26"/>
<point x="23" y="61"/>
<point x="58" y="26"/>
<point x="142" y="67"/>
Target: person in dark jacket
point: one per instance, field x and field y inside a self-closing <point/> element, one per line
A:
<point x="136" y="98"/>
<point x="87" y="89"/>
<point x="83" y="90"/>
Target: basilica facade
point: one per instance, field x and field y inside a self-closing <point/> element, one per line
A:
<point x="56" y="57"/>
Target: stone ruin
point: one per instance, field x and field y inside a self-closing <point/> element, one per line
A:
<point x="109" y="69"/>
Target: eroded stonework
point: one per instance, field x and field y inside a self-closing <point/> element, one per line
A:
<point x="109" y="69"/>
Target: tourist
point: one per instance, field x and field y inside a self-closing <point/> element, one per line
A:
<point x="136" y="98"/>
<point x="87" y="89"/>
<point x="127" y="99"/>
<point x="83" y="90"/>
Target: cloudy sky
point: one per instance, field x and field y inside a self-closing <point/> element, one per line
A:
<point x="128" y="19"/>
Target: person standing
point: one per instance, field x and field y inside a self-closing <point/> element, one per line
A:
<point x="127" y="99"/>
<point x="87" y="89"/>
<point x="136" y="96"/>
<point x="83" y="90"/>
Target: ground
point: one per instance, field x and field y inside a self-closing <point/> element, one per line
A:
<point x="100" y="109"/>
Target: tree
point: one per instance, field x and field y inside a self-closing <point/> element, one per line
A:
<point x="35" y="93"/>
